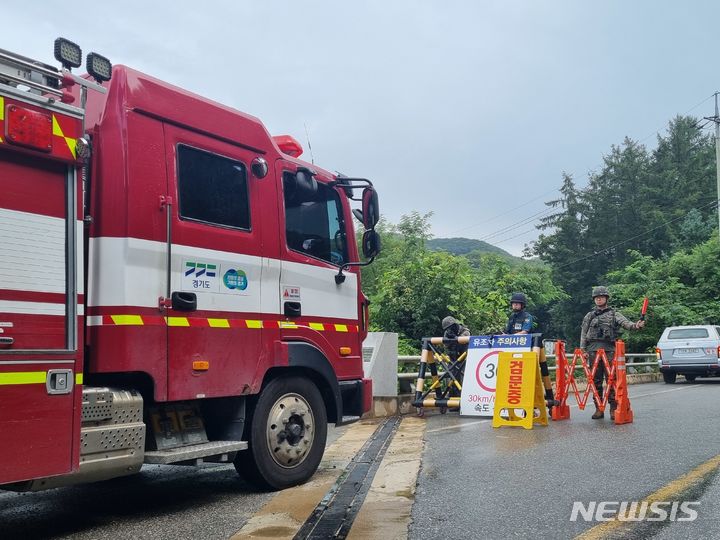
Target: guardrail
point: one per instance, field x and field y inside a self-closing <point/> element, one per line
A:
<point x="404" y="360"/>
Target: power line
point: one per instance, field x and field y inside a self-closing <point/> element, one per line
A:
<point x="535" y="217"/>
<point x="686" y="112"/>
<point x="504" y="213"/>
<point x="524" y="221"/>
<point x="613" y="246"/>
<point x="498" y="242"/>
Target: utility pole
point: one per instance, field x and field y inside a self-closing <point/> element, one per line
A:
<point x="716" y="120"/>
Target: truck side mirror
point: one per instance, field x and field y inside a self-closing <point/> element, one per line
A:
<point x="370" y="244"/>
<point x="370" y="249"/>
<point x="370" y="208"/>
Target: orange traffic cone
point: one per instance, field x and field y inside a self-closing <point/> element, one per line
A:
<point x="623" y="412"/>
<point x="562" y="410"/>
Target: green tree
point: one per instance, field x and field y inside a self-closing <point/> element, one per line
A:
<point x="563" y="247"/>
<point x="682" y="289"/>
<point x="693" y="230"/>
<point x="682" y="178"/>
<point x="640" y="204"/>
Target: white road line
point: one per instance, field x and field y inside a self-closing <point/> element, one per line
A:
<point x="575" y="406"/>
<point x="665" y="391"/>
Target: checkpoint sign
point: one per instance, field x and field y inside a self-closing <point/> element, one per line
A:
<point x="478" y="388"/>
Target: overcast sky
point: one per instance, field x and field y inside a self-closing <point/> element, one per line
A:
<point x="469" y="109"/>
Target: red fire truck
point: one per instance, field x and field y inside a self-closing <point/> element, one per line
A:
<point x="176" y="286"/>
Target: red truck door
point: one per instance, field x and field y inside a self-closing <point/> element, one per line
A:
<point x="39" y="358"/>
<point x="315" y="309"/>
<point x="218" y="268"/>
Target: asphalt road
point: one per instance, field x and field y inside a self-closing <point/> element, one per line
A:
<point x="480" y="482"/>
<point x="162" y="502"/>
<point x="474" y="481"/>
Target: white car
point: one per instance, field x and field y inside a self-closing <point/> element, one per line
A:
<point x="692" y="351"/>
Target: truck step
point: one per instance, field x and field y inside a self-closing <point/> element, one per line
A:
<point x="194" y="452"/>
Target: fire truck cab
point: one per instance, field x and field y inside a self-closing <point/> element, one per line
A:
<point x="176" y="285"/>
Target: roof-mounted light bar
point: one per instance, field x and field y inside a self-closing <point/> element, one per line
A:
<point x="288" y="145"/>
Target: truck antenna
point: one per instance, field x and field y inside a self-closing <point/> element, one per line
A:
<point x="307" y="135"/>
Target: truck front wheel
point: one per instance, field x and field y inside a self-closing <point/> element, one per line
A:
<point x="286" y="432"/>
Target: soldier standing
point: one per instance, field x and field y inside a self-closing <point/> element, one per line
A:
<point x="600" y="328"/>
<point x="521" y="322"/>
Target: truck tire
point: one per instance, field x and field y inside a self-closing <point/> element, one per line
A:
<point x="669" y="377"/>
<point x="286" y="433"/>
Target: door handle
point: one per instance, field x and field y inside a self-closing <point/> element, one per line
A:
<point x="183" y="301"/>
<point x="59" y="381"/>
<point x="6" y="341"/>
<point x="292" y="309"/>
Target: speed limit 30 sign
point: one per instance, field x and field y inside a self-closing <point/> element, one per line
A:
<point x="478" y="388"/>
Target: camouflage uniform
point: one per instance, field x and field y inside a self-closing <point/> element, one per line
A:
<point x="600" y="329"/>
<point x="452" y="329"/>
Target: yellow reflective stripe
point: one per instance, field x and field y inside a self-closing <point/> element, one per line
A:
<point x="30" y="377"/>
<point x="23" y="377"/>
<point x="56" y="127"/>
<point x="57" y="131"/>
<point x="72" y="145"/>
<point x="2" y="108"/>
<point x="123" y="320"/>
<point x="137" y="320"/>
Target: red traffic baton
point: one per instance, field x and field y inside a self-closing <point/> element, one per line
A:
<point x="644" y="309"/>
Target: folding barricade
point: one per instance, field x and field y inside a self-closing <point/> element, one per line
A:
<point x="442" y="386"/>
<point x="616" y="379"/>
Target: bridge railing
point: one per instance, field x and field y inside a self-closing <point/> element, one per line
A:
<point x="633" y="360"/>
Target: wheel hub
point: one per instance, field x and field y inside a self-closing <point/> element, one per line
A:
<point x="290" y="430"/>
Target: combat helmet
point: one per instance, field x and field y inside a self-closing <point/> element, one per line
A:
<point x="448" y="321"/>
<point x="600" y="290"/>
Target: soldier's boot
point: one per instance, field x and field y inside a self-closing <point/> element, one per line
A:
<point x="550" y="400"/>
<point x="613" y="406"/>
<point x="598" y="414"/>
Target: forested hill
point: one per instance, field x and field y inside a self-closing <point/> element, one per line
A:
<point x="463" y="246"/>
